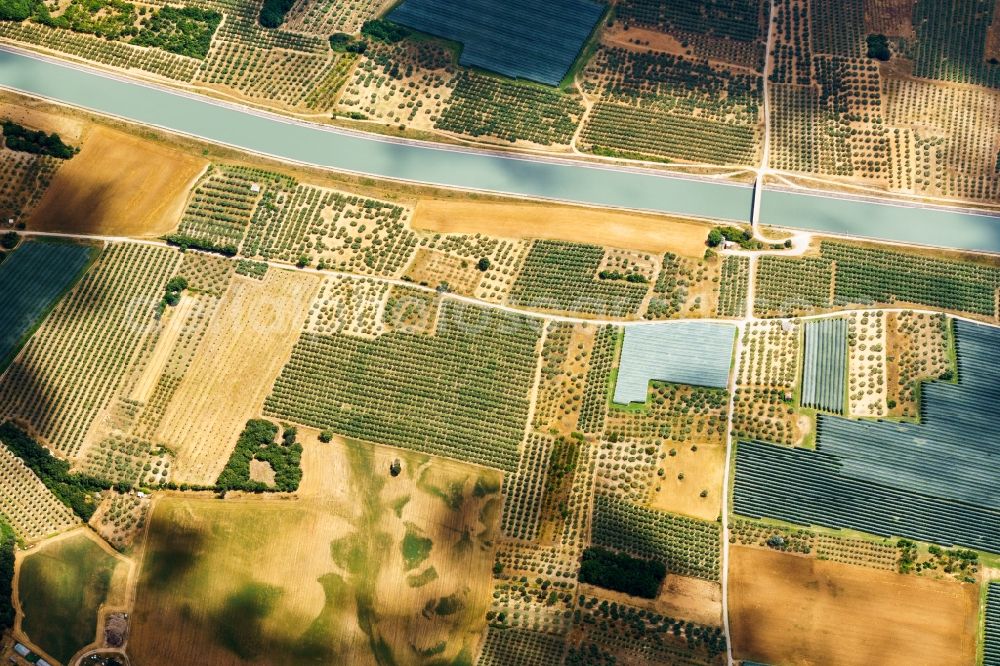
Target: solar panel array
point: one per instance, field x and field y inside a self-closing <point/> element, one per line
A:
<point x="696" y="353"/>
<point x="518" y="38"/>
<point x="936" y="480"/>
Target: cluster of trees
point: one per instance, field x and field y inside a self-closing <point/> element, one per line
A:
<point x="110" y="19"/>
<point x="272" y="13"/>
<point x="257" y="442"/>
<point x="953" y="561"/>
<point x="878" y="47"/>
<point x="172" y="293"/>
<point x="17" y="10"/>
<point x="20" y="138"/>
<point x="382" y="30"/>
<point x="341" y="42"/>
<point x="183" y="241"/>
<point x="743" y="237"/>
<point x="622" y="573"/>
<point x="73" y="489"/>
<point x="8" y="241"/>
<point x="628" y="277"/>
<point x="186" y="31"/>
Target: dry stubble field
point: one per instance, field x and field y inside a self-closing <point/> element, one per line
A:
<point x="328" y="575"/>
<point x="118" y="185"/>
<point x="648" y="233"/>
<point x="787" y="609"/>
<point x="702" y="469"/>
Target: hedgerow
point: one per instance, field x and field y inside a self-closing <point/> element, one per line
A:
<point x="73" y="489"/>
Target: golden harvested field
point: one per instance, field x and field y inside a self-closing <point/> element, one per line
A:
<point x="359" y="567"/>
<point x="787" y="609"/>
<point x="118" y="185"/>
<point x="636" y="231"/>
<point x="174" y="325"/>
<point x="248" y="340"/>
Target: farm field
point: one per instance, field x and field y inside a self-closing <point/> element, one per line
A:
<point x="30" y="509"/>
<point x="394" y="388"/>
<point x="61" y="586"/>
<point x="249" y="338"/>
<point x="763" y="402"/>
<point x="404" y="575"/>
<point x="563" y="223"/>
<point x="564" y="277"/>
<point x="918" y="345"/>
<point x="683" y="353"/>
<point x="796" y="610"/>
<point x="867" y="364"/>
<point x="71" y="368"/>
<point x="24" y="112"/>
<point x="702" y="470"/>
<point x="118" y="185"/>
<point x="847" y="274"/>
<point x="693" y="599"/>
<point x="33" y="278"/>
<point x="675" y="85"/>
<point x="445" y="362"/>
<point x="688" y="546"/>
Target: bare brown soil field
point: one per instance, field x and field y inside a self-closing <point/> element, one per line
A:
<point x="358" y="567"/>
<point x="993" y="34"/>
<point x="247" y="342"/>
<point x="118" y="185"/>
<point x="889" y="17"/>
<point x="634" y="231"/>
<point x="692" y="599"/>
<point x="787" y="609"/>
<point x="702" y="470"/>
<point x="642" y="39"/>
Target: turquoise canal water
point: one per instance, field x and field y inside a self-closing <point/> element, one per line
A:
<point x="273" y="135"/>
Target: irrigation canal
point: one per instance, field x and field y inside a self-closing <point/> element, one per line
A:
<point x="548" y="178"/>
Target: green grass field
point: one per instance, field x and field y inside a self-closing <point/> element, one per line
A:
<point x="61" y="588"/>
